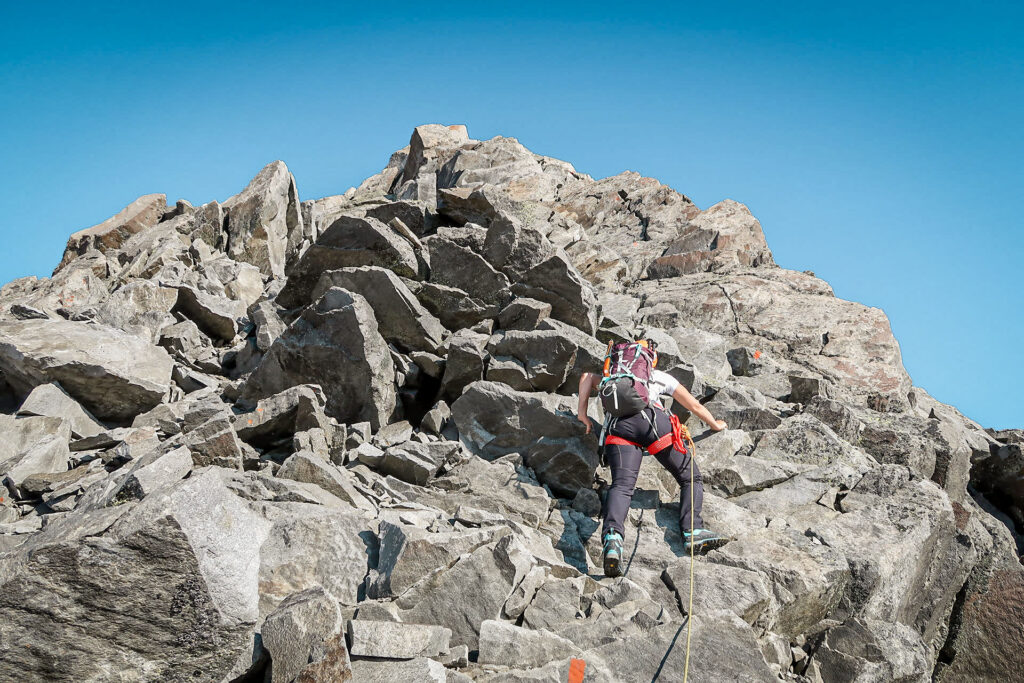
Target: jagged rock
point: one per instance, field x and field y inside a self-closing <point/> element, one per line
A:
<point x="144" y="212"/>
<point x="334" y="343"/>
<point x="437" y="418"/>
<point x="722" y="235"/>
<point x="408" y="554"/>
<point x="555" y="281"/>
<point x="164" y="470"/>
<point x="217" y="316"/>
<point x="510" y="645"/>
<point x="721" y="648"/>
<point x="453" y="265"/>
<point x="114" y="375"/>
<point x="269" y="325"/>
<point x="523" y="314"/>
<point x="494" y="420"/>
<point x="293" y="410"/>
<point x="416" y="462"/>
<point x="312" y="545"/>
<point x="555" y="602"/>
<point x="401" y="319"/>
<point x="49" y="400"/>
<point x="546" y="356"/>
<point x="215" y="442"/>
<point x="305" y="467"/>
<point x="264" y="223"/>
<point x="453" y="307"/>
<point x="720" y="587"/>
<point x="807" y="578"/>
<point x="483" y="580"/>
<point x="138" y="306"/>
<point x="349" y="242"/>
<point x="420" y="669"/>
<point x="300" y="636"/>
<point x="868" y="649"/>
<point x="465" y="362"/>
<point x="196" y="532"/>
<point x="392" y="640"/>
<point x="242" y="282"/>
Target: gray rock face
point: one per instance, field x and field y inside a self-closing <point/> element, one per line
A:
<point x="264" y="221"/>
<point x="114" y="375"/>
<point x="334" y="343"/>
<point x="355" y="418"/>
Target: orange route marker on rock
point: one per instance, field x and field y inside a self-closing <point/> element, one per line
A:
<point x="576" y="669"/>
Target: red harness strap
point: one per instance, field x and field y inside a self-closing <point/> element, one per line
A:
<point x="674" y="438"/>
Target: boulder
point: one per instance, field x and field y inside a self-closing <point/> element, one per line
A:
<point x="483" y="580"/>
<point x="557" y="282"/>
<point x="453" y="265"/>
<point x="334" y="343"/>
<point x="188" y="559"/>
<point x="721" y="236"/>
<point x="718" y="587"/>
<point x="217" y="316"/>
<point x="393" y="640"/>
<point x="349" y="242"/>
<point x="306" y="467"/>
<point x="506" y="644"/>
<point x="545" y="355"/>
<point x="114" y="375"/>
<point x="868" y="649"/>
<point x="453" y="307"/>
<point x="163" y="470"/>
<point x="304" y="639"/>
<point x="387" y="671"/>
<point x="465" y="362"/>
<point x="50" y="400"/>
<point x="523" y="314"/>
<point x="416" y="462"/>
<point x="401" y="319"/>
<point x="494" y="420"/>
<point x="264" y="223"/>
<point x="293" y="410"/>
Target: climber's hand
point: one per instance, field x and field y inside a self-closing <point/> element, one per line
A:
<point x="718" y="426"/>
<point x="585" y="420"/>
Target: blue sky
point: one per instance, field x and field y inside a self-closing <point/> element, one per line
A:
<point x="880" y="146"/>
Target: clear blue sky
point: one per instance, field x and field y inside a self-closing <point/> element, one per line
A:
<point x="880" y="144"/>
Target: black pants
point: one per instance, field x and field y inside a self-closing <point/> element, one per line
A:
<point x="625" y="465"/>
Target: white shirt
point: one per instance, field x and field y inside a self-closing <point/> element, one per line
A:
<point x="661" y="384"/>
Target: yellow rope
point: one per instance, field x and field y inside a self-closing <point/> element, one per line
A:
<point x="689" y="609"/>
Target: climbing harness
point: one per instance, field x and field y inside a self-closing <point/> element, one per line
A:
<point x="674" y="438"/>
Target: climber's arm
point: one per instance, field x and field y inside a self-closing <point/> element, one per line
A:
<point x="686" y="399"/>
<point x="588" y="381"/>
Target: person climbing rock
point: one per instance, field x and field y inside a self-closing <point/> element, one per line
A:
<point x="636" y="421"/>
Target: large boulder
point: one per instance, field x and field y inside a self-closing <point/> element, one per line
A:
<point x="114" y="375"/>
<point x="168" y="586"/>
<point x="49" y="400"/>
<point x="349" y="242"/>
<point x="401" y="318"/>
<point x="264" y="220"/>
<point x="334" y="343"/>
<point x="494" y="420"/>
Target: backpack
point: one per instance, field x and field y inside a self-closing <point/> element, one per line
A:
<point x="628" y="367"/>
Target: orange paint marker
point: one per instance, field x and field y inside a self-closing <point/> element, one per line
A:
<point x="576" y="669"/>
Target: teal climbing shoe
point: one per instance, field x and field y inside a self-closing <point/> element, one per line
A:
<point x="612" y="553"/>
<point x="702" y="541"/>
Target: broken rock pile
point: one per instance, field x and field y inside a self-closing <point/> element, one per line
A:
<point x="335" y="439"/>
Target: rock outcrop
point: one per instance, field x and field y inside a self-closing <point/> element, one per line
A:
<point x="265" y="439"/>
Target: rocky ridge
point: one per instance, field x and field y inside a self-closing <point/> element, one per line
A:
<point x="334" y="439"/>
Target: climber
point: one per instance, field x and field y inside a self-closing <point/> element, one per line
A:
<point x="636" y="421"/>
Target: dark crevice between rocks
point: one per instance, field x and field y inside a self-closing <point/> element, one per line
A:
<point x="992" y="507"/>
<point x="948" y="651"/>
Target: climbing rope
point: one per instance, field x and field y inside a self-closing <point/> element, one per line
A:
<point x="685" y="433"/>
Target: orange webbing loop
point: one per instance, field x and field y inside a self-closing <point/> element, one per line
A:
<point x="674" y="438"/>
